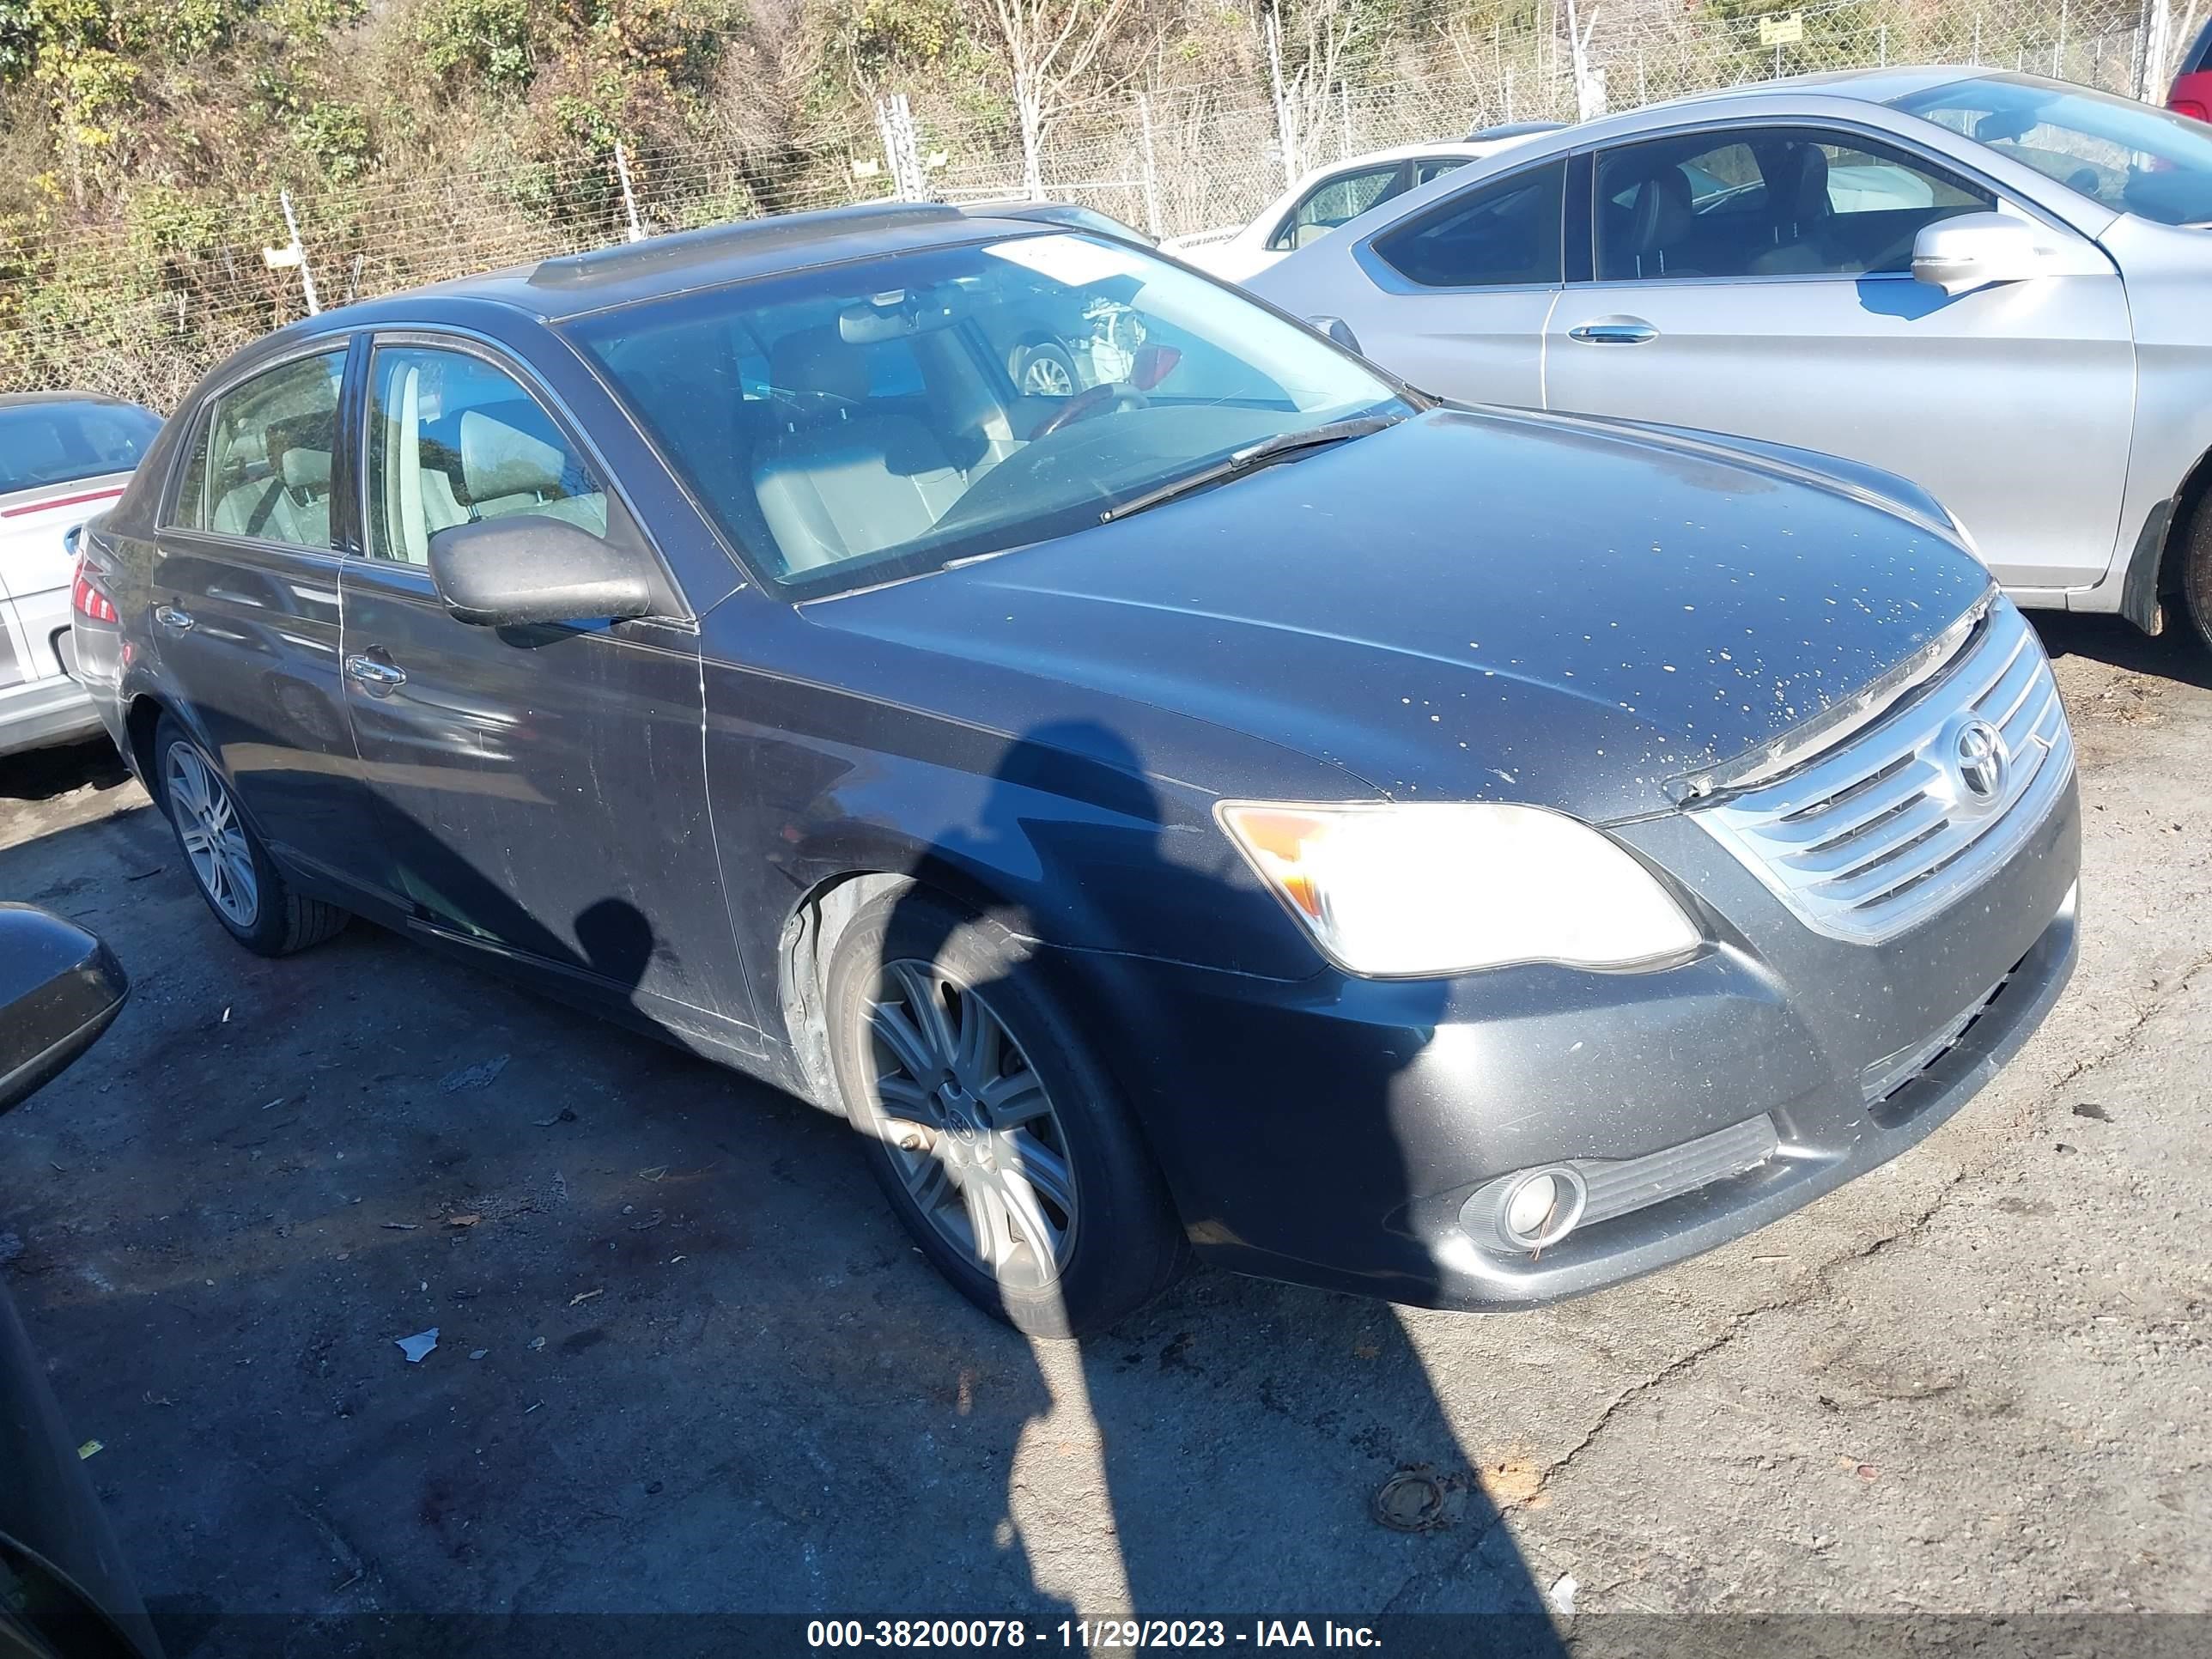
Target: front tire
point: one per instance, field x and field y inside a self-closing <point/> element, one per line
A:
<point x="2197" y="570"/>
<point x="1001" y="1141"/>
<point x="1044" y="370"/>
<point x="234" y="872"/>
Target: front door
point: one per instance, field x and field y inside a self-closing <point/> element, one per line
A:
<point x="542" y="789"/>
<point x="1758" y="281"/>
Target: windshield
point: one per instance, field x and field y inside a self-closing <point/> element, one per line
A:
<point x="883" y="418"/>
<point x="51" y="443"/>
<point x="2122" y="154"/>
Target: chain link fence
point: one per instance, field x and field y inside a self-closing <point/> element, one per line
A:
<point x="140" y="310"/>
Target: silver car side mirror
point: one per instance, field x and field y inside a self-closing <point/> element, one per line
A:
<point x="1337" y="330"/>
<point x="1975" y="250"/>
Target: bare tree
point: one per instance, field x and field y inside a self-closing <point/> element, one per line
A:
<point x="1307" y="52"/>
<point x="1053" y="47"/>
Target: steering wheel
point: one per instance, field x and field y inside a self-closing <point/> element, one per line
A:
<point x="1111" y="394"/>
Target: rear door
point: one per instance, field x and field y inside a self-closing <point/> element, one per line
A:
<point x="1457" y="295"/>
<point x="244" y="623"/>
<point x="542" y="790"/>
<point x="1756" y="280"/>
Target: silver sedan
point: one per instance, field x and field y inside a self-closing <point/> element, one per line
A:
<point x="1996" y="285"/>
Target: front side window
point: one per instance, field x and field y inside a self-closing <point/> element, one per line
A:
<point x="2121" y="154"/>
<point x="1338" y="202"/>
<point x="893" y="438"/>
<point x="454" y="440"/>
<point x="1777" y="202"/>
<point x="265" y="473"/>
<point x="1504" y="232"/>
<point x="52" y="442"/>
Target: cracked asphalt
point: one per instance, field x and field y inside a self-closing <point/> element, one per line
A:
<point x="686" y="1360"/>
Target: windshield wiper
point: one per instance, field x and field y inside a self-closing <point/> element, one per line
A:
<point x="1251" y="458"/>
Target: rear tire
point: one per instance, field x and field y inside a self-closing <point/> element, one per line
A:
<point x="1001" y="1141"/>
<point x="229" y="865"/>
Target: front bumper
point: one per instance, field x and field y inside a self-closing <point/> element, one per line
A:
<point x="44" y="713"/>
<point x="1329" y="1130"/>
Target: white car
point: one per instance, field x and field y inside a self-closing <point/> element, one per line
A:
<point x="1995" y="285"/>
<point x="64" y="456"/>
<point x="1331" y="196"/>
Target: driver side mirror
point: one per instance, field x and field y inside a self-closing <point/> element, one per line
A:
<point x="1975" y="250"/>
<point x="60" y="989"/>
<point x="528" y="567"/>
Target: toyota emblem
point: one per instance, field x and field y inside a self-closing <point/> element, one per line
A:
<point x="1978" y="755"/>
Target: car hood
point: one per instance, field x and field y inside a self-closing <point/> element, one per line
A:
<point x="1472" y="605"/>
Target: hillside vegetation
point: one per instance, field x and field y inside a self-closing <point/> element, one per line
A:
<point x="145" y="144"/>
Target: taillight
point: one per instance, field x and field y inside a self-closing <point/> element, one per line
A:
<point x="86" y="599"/>
<point x="2191" y="108"/>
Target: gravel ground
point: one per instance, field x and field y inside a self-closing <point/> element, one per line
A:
<point x="686" y="1361"/>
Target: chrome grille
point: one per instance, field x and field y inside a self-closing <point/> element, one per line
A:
<point x="1887" y="830"/>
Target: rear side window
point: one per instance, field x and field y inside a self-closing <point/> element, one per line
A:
<point x="262" y="468"/>
<point x="51" y="443"/>
<point x="1502" y="233"/>
<point x="454" y="440"/>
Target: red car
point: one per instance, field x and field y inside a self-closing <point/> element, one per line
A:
<point x="2193" y="83"/>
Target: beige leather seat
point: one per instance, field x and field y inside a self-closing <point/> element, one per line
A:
<point x="293" y="506"/>
<point x="506" y="470"/>
<point x="838" y="480"/>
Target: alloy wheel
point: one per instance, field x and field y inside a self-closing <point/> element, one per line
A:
<point x="213" y="838"/>
<point x="1047" y="377"/>
<point x="970" y="1126"/>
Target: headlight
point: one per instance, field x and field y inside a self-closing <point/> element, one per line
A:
<point x="1424" y="889"/>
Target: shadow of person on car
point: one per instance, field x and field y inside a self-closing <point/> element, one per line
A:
<point x="1238" y="1449"/>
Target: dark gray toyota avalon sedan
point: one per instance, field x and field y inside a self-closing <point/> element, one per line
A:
<point x="1238" y="803"/>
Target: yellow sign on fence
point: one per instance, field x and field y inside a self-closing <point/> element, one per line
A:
<point x="1782" y="31"/>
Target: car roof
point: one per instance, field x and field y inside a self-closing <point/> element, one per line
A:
<point x="1869" y="86"/>
<point x="1470" y="149"/>
<point x="573" y="285"/>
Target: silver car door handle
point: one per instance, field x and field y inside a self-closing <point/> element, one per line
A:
<point x="379" y="677"/>
<point x="1614" y="330"/>
<point x="169" y="616"/>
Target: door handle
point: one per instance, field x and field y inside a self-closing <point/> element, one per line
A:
<point x="380" y="677"/>
<point x="169" y="616"/>
<point x="1614" y="330"/>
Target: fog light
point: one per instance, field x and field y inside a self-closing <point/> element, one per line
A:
<point x="1531" y="1205"/>
<point x="1527" y="1211"/>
